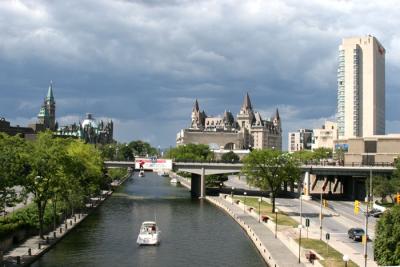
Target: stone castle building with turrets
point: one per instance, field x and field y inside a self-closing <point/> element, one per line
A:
<point x="248" y="131"/>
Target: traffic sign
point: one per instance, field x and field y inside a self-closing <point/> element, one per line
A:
<point x="327" y="236"/>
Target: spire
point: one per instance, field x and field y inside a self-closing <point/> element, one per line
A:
<point x="247" y="103"/>
<point x="50" y="95"/>
<point x="277" y="114"/>
<point x="196" y="106"/>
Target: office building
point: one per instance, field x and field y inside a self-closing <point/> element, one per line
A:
<point x="300" y="140"/>
<point x="325" y="136"/>
<point x="361" y="87"/>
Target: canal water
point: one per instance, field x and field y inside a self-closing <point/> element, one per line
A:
<point x="193" y="232"/>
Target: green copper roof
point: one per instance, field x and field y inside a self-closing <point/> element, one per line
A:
<point x="43" y="112"/>
<point x="50" y="92"/>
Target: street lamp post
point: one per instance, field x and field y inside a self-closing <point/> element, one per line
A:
<point x="301" y="207"/>
<point x="276" y="222"/>
<point x="345" y="259"/>
<point x="366" y="238"/>
<point x="320" y="219"/>
<point x="259" y="209"/>
<point x="371" y="195"/>
<point x="244" y="203"/>
<point x="300" y="226"/>
<point x="233" y="188"/>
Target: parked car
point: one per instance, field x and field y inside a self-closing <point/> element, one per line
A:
<point x="356" y="234"/>
<point x="375" y="213"/>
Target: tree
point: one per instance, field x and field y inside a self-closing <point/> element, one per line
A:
<point x="45" y="171"/>
<point x="269" y="169"/>
<point x="230" y="157"/>
<point x="125" y="152"/>
<point x="12" y="169"/>
<point x="322" y="153"/>
<point x="396" y="173"/>
<point x="303" y="155"/>
<point x="384" y="186"/>
<point x="387" y="240"/>
<point x="142" y="148"/>
<point x="216" y="179"/>
<point x="191" y="152"/>
<point x="85" y="167"/>
<point x="339" y="155"/>
<point x="108" y="151"/>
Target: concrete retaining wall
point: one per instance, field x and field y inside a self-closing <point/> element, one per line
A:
<point x="261" y="248"/>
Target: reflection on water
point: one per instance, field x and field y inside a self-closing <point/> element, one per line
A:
<point x="193" y="232"/>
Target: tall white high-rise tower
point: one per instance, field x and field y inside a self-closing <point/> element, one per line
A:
<point x="361" y="87"/>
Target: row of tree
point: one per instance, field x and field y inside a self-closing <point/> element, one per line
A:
<point x="191" y="152"/>
<point x="200" y="152"/>
<point x="127" y="151"/>
<point x="52" y="170"/>
<point x="315" y="155"/>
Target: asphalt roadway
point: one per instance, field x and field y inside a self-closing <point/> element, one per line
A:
<point x="338" y="217"/>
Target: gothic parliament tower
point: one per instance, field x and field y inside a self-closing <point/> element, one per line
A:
<point x="47" y="113"/>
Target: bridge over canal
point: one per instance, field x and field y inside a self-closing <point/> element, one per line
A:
<point x="345" y="181"/>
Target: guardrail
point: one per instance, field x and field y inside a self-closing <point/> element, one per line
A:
<point x="310" y="163"/>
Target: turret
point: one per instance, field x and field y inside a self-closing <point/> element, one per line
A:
<point x="245" y="117"/>
<point x="277" y="120"/>
<point x="197" y="117"/>
<point x="246" y="107"/>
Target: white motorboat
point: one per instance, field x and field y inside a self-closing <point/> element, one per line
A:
<point x="149" y="234"/>
<point x="141" y="173"/>
<point x="163" y="173"/>
<point x="174" y="181"/>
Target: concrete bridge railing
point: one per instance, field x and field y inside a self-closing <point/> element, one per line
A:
<point x="342" y="177"/>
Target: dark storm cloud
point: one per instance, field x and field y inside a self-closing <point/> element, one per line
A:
<point x="143" y="62"/>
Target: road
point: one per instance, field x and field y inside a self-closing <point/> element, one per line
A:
<point x="334" y="223"/>
<point x="339" y="217"/>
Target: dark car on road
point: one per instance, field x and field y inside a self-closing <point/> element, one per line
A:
<point x="375" y="213"/>
<point x="356" y="233"/>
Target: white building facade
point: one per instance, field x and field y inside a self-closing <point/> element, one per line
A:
<point x="361" y="87"/>
<point x="325" y="136"/>
<point x="300" y="140"/>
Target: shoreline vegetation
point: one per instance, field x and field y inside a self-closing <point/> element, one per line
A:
<point x="52" y="179"/>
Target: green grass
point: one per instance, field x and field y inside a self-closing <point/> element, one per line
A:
<point x="332" y="256"/>
<point x="266" y="209"/>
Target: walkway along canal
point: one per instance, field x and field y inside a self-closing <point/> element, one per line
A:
<point x="194" y="232"/>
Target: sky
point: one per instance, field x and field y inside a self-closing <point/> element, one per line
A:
<point x="142" y="63"/>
